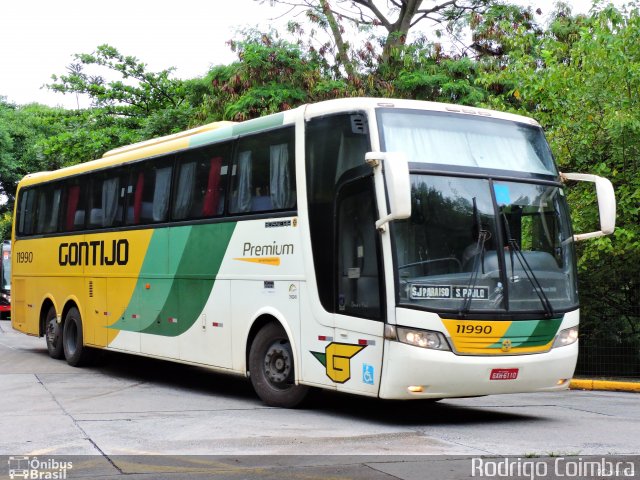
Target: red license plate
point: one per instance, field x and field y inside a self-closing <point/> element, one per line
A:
<point x="504" y="374"/>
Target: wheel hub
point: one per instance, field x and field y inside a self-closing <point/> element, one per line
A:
<point x="277" y="363"/>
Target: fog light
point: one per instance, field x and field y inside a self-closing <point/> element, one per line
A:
<point x="415" y="388"/>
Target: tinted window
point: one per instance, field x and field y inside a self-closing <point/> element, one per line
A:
<point x="26" y="212"/>
<point x="335" y="145"/>
<point x="73" y="203"/>
<point x="106" y="199"/>
<point x="263" y="174"/>
<point x="201" y="184"/>
<point x="148" y="191"/>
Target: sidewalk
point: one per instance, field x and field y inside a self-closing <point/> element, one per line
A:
<point x="615" y="385"/>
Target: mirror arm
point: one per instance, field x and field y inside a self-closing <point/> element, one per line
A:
<point x="606" y="203"/>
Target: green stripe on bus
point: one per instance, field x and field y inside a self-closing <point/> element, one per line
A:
<point x="172" y="303"/>
<point x="243" y="128"/>
<point x="530" y="333"/>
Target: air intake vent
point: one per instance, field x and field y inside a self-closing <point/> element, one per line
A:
<point x="359" y="124"/>
<point x="90" y="288"/>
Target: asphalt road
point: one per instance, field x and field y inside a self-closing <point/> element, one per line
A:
<point x="135" y="416"/>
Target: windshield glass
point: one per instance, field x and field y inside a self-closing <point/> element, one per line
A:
<point x="5" y="281"/>
<point x="477" y="245"/>
<point x="466" y="140"/>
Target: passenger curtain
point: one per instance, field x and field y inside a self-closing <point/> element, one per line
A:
<point x="184" y="195"/>
<point x="161" y="194"/>
<point x="280" y="177"/>
<point x="72" y="206"/>
<point x="430" y="144"/>
<point x="212" y="195"/>
<point x="53" y="220"/>
<point x="110" y="190"/>
<point x="244" y="180"/>
<point x="137" y="198"/>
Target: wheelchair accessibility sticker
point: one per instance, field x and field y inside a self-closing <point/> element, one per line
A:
<point x="367" y="374"/>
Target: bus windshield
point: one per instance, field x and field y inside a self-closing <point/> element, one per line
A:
<point x="477" y="245"/>
<point x="466" y="141"/>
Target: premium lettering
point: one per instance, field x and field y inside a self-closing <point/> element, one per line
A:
<point x="252" y="250"/>
<point x="96" y="252"/>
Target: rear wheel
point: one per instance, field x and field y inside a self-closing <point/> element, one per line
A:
<point x="53" y="334"/>
<point x="72" y="339"/>
<point x="272" y="369"/>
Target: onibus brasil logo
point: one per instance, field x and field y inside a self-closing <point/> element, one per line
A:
<point x="35" y="468"/>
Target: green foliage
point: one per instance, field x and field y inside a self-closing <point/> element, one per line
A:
<point x="134" y="92"/>
<point x="271" y="75"/>
<point x="581" y="80"/>
<point x="5" y="224"/>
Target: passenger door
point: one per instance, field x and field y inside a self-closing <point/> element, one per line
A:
<point x="359" y="323"/>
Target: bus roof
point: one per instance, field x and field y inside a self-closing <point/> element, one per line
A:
<point x="368" y="103"/>
<point x="225" y="130"/>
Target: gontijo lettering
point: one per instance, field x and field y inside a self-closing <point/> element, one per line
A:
<point x="97" y="252"/>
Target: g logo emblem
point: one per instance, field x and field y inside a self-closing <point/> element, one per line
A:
<point x="506" y="345"/>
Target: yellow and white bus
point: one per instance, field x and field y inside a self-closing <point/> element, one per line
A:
<point x="390" y="248"/>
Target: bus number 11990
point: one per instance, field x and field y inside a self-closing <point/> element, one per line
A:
<point x="473" y="329"/>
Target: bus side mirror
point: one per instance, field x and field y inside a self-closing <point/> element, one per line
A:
<point x="606" y="203"/>
<point x="397" y="181"/>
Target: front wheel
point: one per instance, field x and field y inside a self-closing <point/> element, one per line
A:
<point x="72" y="339"/>
<point x="272" y="370"/>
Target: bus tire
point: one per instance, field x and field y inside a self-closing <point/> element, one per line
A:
<point x="271" y="368"/>
<point x="53" y="334"/>
<point x="72" y="339"/>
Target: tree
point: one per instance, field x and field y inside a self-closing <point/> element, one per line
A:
<point x="394" y="17"/>
<point x="581" y="81"/>
<point x="270" y="75"/>
<point x="126" y="89"/>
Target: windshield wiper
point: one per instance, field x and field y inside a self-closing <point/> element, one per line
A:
<point x="531" y="276"/>
<point x="478" y="259"/>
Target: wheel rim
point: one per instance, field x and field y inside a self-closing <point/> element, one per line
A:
<point x="278" y="364"/>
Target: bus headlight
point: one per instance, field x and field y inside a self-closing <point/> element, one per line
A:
<point x="422" y="338"/>
<point x="566" y="337"/>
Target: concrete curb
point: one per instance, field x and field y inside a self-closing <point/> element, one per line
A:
<point x="589" y="384"/>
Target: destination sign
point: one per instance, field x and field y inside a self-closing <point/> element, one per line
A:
<point x="440" y="292"/>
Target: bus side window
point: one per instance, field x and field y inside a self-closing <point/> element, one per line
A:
<point x="148" y="191"/>
<point x="26" y="210"/>
<point x="202" y="180"/>
<point x="263" y="174"/>
<point x="74" y="202"/>
<point x="49" y="200"/>
<point x="106" y="200"/>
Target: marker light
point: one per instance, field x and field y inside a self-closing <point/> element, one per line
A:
<point x="422" y="338"/>
<point x="566" y="337"/>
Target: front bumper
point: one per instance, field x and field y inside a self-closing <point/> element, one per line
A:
<point x="444" y="374"/>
